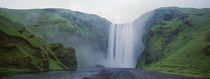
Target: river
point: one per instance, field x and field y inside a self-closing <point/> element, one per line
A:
<point x="101" y="73"/>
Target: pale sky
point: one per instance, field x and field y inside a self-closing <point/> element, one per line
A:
<point x="116" y="11"/>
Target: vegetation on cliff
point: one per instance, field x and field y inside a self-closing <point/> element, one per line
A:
<point x="177" y="42"/>
<point x="62" y="25"/>
<point x="71" y="28"/>
<point x="66" y="55"/>
<point x="23" y="52"/>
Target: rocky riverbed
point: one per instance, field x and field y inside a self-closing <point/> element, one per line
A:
<point x="98" y="73"/>
<point x="128" y="73"/>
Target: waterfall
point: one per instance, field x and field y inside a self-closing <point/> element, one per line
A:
<point x="120" y="46"/>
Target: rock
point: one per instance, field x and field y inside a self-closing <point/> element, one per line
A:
<point x="86" y="78"/>
<point x="100" y="66"/>
<point x="65" y="54"/>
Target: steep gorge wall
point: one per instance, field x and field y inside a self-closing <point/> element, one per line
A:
<point x="87" y="33"/>
<point x="23" y="52"/>
<point x="177" y="42"/>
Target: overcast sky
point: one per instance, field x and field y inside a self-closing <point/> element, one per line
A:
<point x="117" y="11"/>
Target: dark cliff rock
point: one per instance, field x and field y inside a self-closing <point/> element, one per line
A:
<point x="65" y="54"/>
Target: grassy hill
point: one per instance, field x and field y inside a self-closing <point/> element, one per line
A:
<point x="71" y="28"/>
<point x="178" y="41"/>
<point x="23" y="52"/>
<point x="50" y="23"/>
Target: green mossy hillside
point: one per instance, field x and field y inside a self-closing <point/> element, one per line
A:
<point x="23" y="52"/>
<point x="66" y="55"/>
<point x="71" y="28"/>
<point x="177" y="42"/>
<point x="63" y="26"/>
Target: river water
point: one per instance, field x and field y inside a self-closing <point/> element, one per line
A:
<point x="78" y="74"/>
<point x="100" y="73"/>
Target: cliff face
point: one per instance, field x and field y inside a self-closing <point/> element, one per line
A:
<point x="177" y="41"/>
<point x="66" y="54"/>
<point x="23" y="52"/>
<point x="71" y="28"/>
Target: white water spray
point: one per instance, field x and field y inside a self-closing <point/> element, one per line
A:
<point x="120" y="46"/>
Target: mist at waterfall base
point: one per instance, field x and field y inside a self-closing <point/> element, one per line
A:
<point x="87" y="56"/>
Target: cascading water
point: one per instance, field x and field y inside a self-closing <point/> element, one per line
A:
<point x="120" y="46"/>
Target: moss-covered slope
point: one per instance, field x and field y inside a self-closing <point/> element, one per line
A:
<point x="66" y="54"/>
<point x="71" y="28"/>
<point x="23" y="52"/>
<point x="63" y="25"/>
<point x="178" y="42"/>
